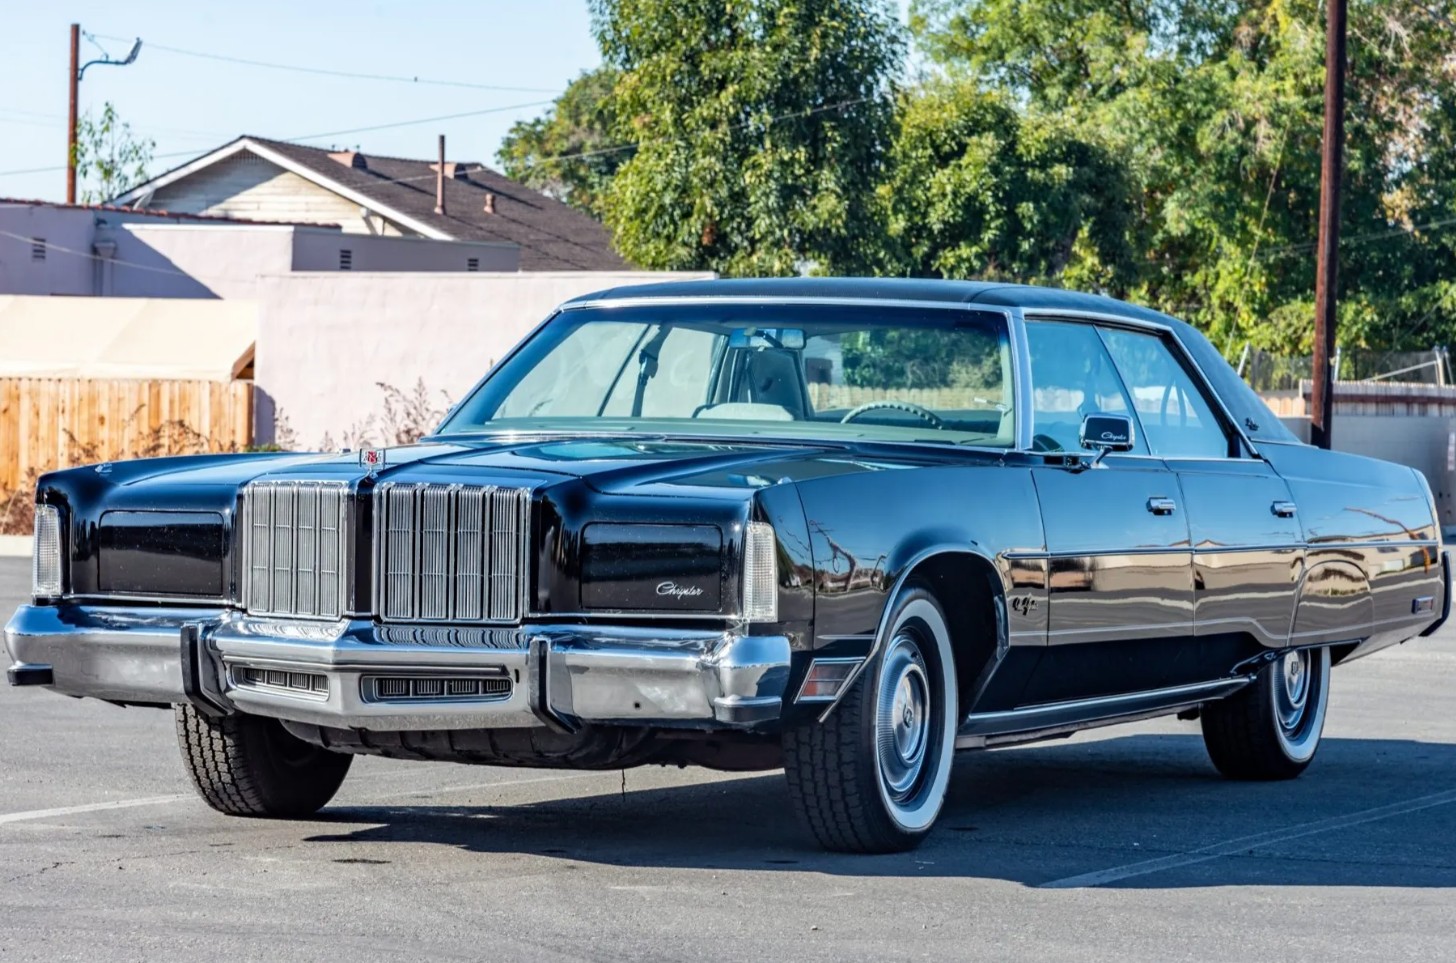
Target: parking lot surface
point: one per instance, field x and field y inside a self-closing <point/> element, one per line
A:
<point x="1114" y="845"/>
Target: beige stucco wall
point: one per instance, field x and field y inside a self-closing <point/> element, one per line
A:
<point x="326" y="339"/>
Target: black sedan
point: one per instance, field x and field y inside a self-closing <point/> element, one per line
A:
<point x="843" y="527"/>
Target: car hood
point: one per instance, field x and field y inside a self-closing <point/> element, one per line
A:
<point x="609" y="465"/>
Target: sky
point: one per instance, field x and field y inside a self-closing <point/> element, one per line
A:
<point x="189" y="103"/>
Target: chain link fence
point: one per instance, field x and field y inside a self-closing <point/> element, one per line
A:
<point x="1273" y="372"/>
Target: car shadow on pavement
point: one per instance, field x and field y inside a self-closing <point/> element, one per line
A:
<point x="1368" y="812"/>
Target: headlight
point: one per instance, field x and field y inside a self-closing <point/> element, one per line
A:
<point x="760" y="574"/>
<point x="46" y="576"/>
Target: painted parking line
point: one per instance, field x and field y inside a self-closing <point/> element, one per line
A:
<point x="1243" y="844"/>
<point x="89" y="808"/>
<point x="35" y="814"/>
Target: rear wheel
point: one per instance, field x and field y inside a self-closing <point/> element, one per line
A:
<point x="873" y="776"/>
<point x="1272" y="728"/>
<point x="250" y="766"/>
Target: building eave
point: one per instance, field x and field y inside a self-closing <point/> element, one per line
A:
<point x="288" y="164"/>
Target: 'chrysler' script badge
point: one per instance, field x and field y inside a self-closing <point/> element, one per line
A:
<point x="678" y="591"/>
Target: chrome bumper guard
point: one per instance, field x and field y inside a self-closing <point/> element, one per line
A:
<point x="356" y="674"/>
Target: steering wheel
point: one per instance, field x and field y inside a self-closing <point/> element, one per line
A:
<point x="925" y="414"/>
<point x="1182" y="406"/>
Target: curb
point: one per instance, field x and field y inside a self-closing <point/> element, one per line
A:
<point x="15" y="546"/>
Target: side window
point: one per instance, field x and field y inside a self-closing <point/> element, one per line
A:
<point x="1175" y="415"/>
<point x="1072" y="376"/>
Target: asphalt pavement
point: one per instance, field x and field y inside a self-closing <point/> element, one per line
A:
<point x="1115" y="845"/>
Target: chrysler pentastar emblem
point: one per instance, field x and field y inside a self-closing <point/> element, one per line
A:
<point x="678" y="591"/>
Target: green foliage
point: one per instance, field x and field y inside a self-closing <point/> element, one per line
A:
<point x="109" y="157"/>
<point x="978" y="188"/>
<point x="1215" y="112"/>
<point x="921" y="358"/>
<point x="569" y="153"/>
<point x="759" y="130"/>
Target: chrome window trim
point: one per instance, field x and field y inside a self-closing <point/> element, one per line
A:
<point x="1141" y="324"/>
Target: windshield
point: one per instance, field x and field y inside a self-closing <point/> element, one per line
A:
<point x="799" y="371"/>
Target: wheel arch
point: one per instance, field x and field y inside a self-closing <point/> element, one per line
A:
<point x="971" y="593"/>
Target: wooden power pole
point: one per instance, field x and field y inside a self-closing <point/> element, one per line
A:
<point x="1328" y="263"/>
<point x="74" y="79"/>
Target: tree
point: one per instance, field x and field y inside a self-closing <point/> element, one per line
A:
<point x="109" y="157"/>
<point x="977" y="188"/>
<point x="569" y="153"/>
<point x="1214" y="111"/>
<point x="759" y="131"/>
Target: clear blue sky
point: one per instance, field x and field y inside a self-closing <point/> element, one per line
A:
<point x="188" y="104"/>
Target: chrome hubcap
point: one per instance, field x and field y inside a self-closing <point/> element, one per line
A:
<point x="903" y="718"/>
<point x="1293" y="692"/>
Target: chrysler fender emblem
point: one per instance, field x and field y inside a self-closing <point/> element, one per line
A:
<point x="678" y="591"/>
<point x="1023" y="604"/>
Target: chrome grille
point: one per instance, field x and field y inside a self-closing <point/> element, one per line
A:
<point x="410" y="689"/>
<point x="451" y="553"/>
<point x="293" y="548"/>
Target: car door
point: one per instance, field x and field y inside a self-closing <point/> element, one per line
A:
<point x="1120" y="592"/>
<point x="1247" y="546"/>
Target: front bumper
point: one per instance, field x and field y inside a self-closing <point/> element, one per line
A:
<point x="355" y="674"/>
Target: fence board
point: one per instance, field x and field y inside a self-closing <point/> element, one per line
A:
<point x="48" y="423"/>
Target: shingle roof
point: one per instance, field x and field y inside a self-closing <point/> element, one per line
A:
<point x="552" y="235"/>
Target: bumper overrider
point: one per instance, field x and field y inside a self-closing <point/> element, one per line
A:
<point x="357" y="674"/>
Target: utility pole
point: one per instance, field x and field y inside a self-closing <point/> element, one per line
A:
<point x="77" y="71"/>
<point x="74" y="76"/>
<point x="1328" y="263"/>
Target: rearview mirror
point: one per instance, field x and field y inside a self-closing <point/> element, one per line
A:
<point x="791" y="339"/>
<point x="1103" y="433"/>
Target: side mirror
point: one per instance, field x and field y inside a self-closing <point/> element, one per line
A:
<point x="1103" y="433"/>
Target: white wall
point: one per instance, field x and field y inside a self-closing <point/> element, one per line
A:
<point x="60" y="272"/>
<point x="224" y="260"/>
<point x="326" y="339"/>
<point x="316" y="250"/>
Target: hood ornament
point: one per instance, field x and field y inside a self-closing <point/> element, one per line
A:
<point x="372" y="459"/>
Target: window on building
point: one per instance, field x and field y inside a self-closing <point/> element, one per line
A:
<point x="37" y="249"/>
<point x="346" y="259"/>
<point x="472" y="264"/>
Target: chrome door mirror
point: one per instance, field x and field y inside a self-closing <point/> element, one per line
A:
<point x="1103" y="433"/>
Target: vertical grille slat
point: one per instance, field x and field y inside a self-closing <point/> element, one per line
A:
<point x="294" y="548"/>
<point x="452" y="553"/>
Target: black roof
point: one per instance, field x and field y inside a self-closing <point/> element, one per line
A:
<point x="1242" y="401"/>
<point x="553" y="236"/>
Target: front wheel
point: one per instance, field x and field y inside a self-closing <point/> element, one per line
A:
<point x="873" y="776"/>
<point x="1271" y="729"/>
<point x="250" y="766"/>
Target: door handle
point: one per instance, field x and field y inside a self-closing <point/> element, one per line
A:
<point x="1283" y="509"/>
<point x="1159" y="505"/>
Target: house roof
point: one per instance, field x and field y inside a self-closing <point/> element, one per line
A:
<point x="552" y="236"/>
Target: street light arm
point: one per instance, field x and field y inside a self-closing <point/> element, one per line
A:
<point x="131" y="56"/>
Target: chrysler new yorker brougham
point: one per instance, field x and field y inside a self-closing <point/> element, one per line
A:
<point x="842" y="527"/>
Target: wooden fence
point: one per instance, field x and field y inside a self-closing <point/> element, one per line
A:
<point x="48" y="423"/>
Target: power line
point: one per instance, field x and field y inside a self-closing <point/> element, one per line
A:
<point x="326" y="72"/>
<point x="330" y="133"/>
<point x="1306" y="246"/>
<point x="421" y="120"/>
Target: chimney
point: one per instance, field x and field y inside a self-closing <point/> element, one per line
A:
<point x="490" y="203"/>
<point x="440" y="180"/>
<point x="349" y="158"/>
